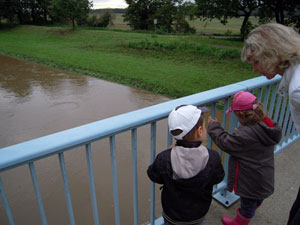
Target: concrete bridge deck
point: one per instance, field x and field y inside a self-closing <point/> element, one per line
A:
<point x="275" y="209"/>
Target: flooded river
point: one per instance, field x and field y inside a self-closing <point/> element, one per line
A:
<point x="36" y="101"/>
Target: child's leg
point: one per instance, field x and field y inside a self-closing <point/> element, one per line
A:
<point x="238" y="220"/>
<point x="248" y="206"/>
<point x="259" y="202"/>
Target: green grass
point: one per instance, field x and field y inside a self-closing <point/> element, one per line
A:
<point x="215" y="27"/>
<point x="176" y="67"/>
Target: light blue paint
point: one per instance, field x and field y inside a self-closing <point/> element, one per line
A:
<point x="37" y="193"/>
<point x="92" y="183"/>
<point x="278" y="105"/>
<point x="135" y="175"/>
<point x="273" y="97"/>
<point x="112" y="140"/>
<point x="66" y="188"/>
<point x="6" y="205"/>
<point x="213" y="111"/>
<point x="152" y="187"/>
<point x="267" y="94"/>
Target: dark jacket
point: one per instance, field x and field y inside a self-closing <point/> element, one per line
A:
<point x="186" y="200"/>
<point x="251" y="162"/>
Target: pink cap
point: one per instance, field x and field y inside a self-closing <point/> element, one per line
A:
<point x="242" y="100"/>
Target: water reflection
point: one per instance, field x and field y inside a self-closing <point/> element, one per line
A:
<point x="27" y="76"/>
<point x="37" y="100"/>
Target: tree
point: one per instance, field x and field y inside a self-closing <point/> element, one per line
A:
<point x="186" y="10"/>
<point x="284" y="11"/>
<point x="8" y="9"/>
<point x="140" y="14"/>
<point x="44" y="9"/>
<point x="295" y="18"/>
<point x="165" y="13"/>
<point x="75" y="10"/>
<point x="225" y="9"/>
<point x="26" y="11"/>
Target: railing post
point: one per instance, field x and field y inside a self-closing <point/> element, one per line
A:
<point x="213" y="115"/>
<point x="6" y="205"/>
<point x="135" y="175"/>
<point x="92" y="183"/>
<point x="152" y="187"/>
<point x="114" y="178"/>
<point x="66" y="187"/>
<point x="37" y="193"/>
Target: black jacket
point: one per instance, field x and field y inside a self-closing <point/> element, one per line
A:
<point x="186" y="200"/>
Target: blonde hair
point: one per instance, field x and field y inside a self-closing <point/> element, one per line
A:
<point x="275" y="46"/>
<point x="189" y="137"/>
<point x="252" y="116"/>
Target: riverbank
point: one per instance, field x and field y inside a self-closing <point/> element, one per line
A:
<point x="172" y="66"/>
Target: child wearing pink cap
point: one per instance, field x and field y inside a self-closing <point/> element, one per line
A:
<point x="251" y="150"/>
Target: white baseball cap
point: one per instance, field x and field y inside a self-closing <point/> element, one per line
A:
<point x="184" y="117"/>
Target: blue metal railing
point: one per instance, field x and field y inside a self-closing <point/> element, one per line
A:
<point x="31" y="151"/>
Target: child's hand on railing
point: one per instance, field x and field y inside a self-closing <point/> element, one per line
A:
<point x="211" y="120"/>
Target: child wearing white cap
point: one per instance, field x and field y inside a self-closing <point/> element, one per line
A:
<point x="251" y="150"/>
<point x="187" y="171"/>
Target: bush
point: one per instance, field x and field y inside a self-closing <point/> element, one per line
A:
<point x="92" y="20"/>
<point x="102" y="21"/>
<point x="191" y="48"/>
<point x="182" y="26"/>
<point x="228" y="32"/>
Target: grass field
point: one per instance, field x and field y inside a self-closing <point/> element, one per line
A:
<point x="169" y="65"/>
<point x="215" y="27"/>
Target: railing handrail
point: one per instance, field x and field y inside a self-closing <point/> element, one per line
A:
<point x="32" y="150"/>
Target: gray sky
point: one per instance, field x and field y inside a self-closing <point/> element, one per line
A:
<point x="97" y="4"/>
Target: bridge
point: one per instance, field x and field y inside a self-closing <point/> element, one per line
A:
<point x="31" y="153"/>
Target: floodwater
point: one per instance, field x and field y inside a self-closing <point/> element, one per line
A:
<point x="37" y="100"/>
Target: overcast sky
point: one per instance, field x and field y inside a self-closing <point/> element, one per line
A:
<point x="97" y="4"/>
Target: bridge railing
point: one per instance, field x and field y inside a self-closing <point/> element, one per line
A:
<point x="58" y="143"/>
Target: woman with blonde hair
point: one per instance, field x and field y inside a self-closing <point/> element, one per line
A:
<point x="275" y="49"/>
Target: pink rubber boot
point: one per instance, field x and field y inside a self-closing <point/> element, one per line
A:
<point x="238" y="220"/>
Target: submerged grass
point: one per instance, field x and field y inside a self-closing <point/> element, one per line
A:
<point x="169" y="65"/>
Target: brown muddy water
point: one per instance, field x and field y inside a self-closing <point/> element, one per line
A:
<point x="35" y="101"/>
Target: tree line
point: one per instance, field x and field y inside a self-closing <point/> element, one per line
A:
<point x="140" y="14"/>
<point x="40" y="12"/>
<point x="163" y="15"/>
